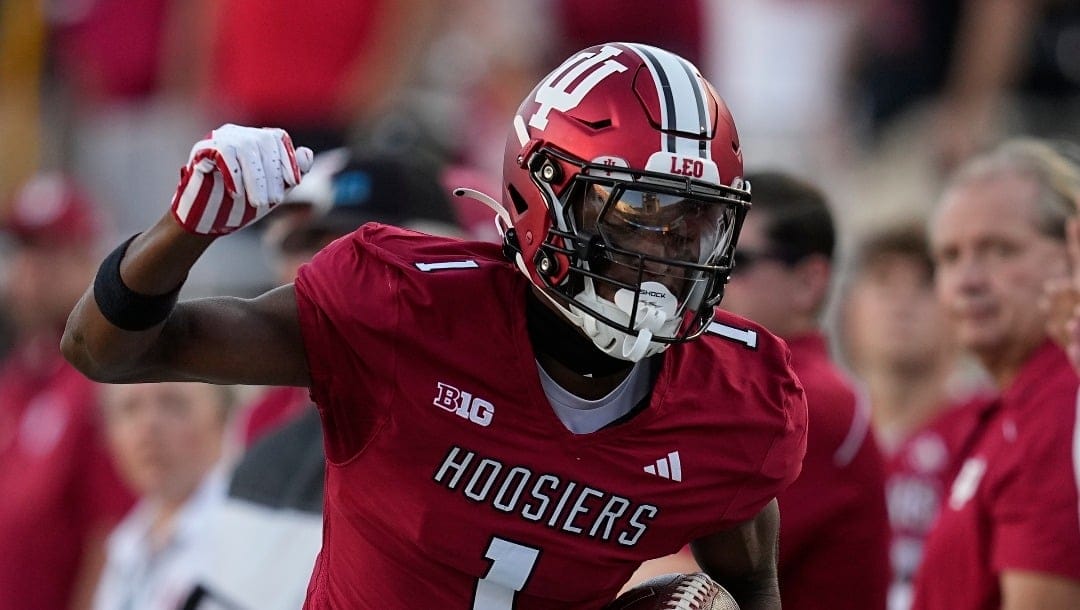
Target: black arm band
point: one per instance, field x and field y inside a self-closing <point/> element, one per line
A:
<point x="122" y="306"/>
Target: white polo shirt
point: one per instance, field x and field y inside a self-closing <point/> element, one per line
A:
<point x="139" y="577"/>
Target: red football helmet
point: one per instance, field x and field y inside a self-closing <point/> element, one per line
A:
<point x="623" y="183"/>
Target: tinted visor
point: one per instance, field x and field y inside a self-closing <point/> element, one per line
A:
<point x="663" y="227"/>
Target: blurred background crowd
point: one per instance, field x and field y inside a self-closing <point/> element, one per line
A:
<point x="871" y="103"/>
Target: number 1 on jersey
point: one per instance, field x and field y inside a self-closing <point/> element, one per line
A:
<point x="511" y="565"/>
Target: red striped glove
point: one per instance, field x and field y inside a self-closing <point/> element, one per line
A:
<point x="236" y="176"/>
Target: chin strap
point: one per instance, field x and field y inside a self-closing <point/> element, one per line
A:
<point x="610" y="340"/>
<point x="650" y="320"/>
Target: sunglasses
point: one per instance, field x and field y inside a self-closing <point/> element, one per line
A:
<point x="745" y="260"/>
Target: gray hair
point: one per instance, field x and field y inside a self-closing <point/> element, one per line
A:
<point x="1053" y="166"/>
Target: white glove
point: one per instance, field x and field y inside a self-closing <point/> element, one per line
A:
<point x="236" y="176"/>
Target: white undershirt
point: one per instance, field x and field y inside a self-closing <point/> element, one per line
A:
<point x="582" y="416"/>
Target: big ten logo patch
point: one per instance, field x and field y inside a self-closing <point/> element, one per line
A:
<point x="464" y="405"/>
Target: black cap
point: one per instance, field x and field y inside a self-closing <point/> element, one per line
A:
<point x="345" y="190"/>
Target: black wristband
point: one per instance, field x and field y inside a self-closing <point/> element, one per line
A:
<point x="122" y="306"/>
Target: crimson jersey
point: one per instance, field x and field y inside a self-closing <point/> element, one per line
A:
<point x="917" y="477"/>
<point x="841" y="491"/>
<point x="451" y="483"/>
<point x="1013" y="504"/>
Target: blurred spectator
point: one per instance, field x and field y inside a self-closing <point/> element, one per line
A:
<point x="59" y="495"/>
<point x="675" y="25"/>
<point x="315" y="72"/>
<point x="327" y="73"/>
<point x="120" y="106"/>
<point x="120" y="100"/>
<point x="898" y="341"/>
<point x="268" y="532"/>
<point x="895" y="334"/>
<point x="1007" y="537"/>
<point x="467" y="88"/>
<point x="168" y="441"/>
<point x="835" y="511"/>
<point x="905" y="50"/>
<point x="137" y="75"/>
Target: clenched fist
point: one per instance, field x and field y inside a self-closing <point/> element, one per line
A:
<point x="236" y="176"/>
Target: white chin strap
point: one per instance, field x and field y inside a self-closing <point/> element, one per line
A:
<point x="655" y="316"/>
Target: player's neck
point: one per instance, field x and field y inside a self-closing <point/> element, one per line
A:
<point x="589" y="387"/>
<point x="568" y="356"/>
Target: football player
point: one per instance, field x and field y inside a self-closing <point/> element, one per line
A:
<point x="505" y="427"/>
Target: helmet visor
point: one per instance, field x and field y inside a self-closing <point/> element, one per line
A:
<point x="679" y="231"/>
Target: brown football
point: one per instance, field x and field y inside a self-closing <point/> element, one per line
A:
<point x="676" y="592"/>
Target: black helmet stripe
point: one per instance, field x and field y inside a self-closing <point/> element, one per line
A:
<point x="682" y="102"/>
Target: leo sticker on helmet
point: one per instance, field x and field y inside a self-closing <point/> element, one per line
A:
<point x="698" y="168"/>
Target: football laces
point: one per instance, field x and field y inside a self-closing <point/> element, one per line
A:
<point x="693" y="592"/>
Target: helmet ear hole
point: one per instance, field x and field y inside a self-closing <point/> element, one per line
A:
<point x="520" y="205"/>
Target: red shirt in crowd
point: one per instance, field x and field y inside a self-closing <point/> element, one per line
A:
<point x="833" y="523"/>
<point x="58" y="489"/>
<point x="273" y="62"/>
<point x="112" y="51"/>
<point x="917" y="479"/>
<point x="451" y="480"/>
<point x="1013" y="504"/>
<point x="273" y="408"/>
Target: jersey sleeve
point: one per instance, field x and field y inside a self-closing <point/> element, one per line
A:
<point x="1037" y="525"/>
<point x="780" y="394"/>
<point x="346" y="301"/>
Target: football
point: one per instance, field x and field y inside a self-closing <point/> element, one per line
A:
<point x="676" y="592"/>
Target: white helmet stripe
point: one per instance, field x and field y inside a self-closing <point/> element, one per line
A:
<point x="682" y="105"/>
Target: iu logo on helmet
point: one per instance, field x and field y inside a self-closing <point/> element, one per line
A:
<point x="464" y="404"/>
<point x="555" y="93"/>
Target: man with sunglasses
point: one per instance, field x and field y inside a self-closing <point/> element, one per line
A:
<point x="835" y="529"/>
<point x="505" y="427"/>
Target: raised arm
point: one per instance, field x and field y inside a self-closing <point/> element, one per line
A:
<point x="743" y="559"/>
<point x="125" y="329"/>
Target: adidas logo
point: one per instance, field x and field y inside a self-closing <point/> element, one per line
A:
<point x="668" y="467"/>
